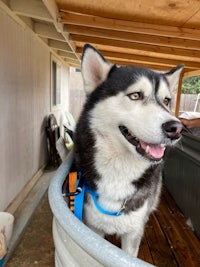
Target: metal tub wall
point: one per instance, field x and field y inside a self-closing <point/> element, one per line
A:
<point x="182" y="178"/>
<point x="75" y="244"/>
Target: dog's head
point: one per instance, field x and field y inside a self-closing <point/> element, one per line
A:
<point x="130" y="106"/>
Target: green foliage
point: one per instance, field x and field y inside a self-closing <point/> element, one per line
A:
<point x="191" y="85"/>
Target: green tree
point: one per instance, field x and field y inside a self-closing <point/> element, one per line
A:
<point x="191" y="85"/>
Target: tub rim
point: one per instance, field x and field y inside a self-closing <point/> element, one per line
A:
<point x="88" y="240"/>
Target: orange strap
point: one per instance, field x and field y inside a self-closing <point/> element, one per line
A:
<point x="72" y="187"/>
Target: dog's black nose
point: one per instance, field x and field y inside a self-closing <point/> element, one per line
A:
<point x="172" y="129"/>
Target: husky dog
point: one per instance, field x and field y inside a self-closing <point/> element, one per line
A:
<point x="120" y="140"/>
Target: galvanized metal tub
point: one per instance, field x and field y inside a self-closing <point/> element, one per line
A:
<point x="182" y="178"/>
<point x="75" y="244"/>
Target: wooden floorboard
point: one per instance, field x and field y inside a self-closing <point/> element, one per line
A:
<point x="158" y="244"/>
<point x="145" y="253"/>
<point x="183" y="243"/>
<point x="168" y="241"/>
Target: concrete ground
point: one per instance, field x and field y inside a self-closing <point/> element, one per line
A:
<point x="36" y="247"/>
<point x="32" y="244"/>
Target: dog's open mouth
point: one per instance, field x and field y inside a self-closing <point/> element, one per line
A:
<point x="153" y="152"/>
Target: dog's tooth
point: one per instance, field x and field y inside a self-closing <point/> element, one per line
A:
<point x="163" y="145"/>
<point x="147" y="149"/>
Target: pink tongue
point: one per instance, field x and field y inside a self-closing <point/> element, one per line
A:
<point x="156" y="151"/>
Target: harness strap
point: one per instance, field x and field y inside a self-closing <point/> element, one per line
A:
<point x="94" y="196"/>
<point x="78" y="187"/>
<point x="79" y="199"/>
<point x="72" y="188"/>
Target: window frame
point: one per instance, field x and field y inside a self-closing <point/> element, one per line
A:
<point x="56" y="75"/>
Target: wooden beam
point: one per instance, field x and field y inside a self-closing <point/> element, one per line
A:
<point x="132" y="58"/>
<point x="147" y="64"/>
<point x="52" y="7"/>
<point x="123" y="49"/>
<point x="53" y="10"/>
<point x="178" y="96"/>
<point x="28" y="21"/>
<point x="59" y="45"/>
<point x="73" y="65"/>
<point x="72" y="61"/>
<point x="192" y="73"/>
<point x="158" y="67"/>
<point x="48" y="31"/>
<point x="30" y="8"/>
<point x="73" y="18"/>
<point x="67" y="55"/>
<point x="134" y="37"/>
<point x="142" y="48"/>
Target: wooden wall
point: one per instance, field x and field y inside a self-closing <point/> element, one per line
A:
<point x="25" y="91"/>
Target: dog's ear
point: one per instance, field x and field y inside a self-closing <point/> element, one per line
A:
<point x="94" y="68"/>
<point x="173" y="76"/>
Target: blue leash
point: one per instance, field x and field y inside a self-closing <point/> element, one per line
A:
<point x="79" y="201"/>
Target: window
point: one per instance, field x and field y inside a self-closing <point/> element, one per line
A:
<point x="55" y="84"/>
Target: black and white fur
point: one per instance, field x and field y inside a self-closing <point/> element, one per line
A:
<point x="120" y="140"/>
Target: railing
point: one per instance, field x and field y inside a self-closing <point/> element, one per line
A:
<point x="75" y="244"/>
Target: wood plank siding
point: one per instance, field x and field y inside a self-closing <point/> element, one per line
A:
<point x="25" y="103"/>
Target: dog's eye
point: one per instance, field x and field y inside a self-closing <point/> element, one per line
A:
<point x="135" y="96"/>
<point x="166" y="101"/>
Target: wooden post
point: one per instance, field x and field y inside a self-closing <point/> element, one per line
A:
<point x="178" y="97"/>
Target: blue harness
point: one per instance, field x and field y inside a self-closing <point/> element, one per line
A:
<point x="79" y="201"/>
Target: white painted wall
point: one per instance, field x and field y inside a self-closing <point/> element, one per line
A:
<point x="24" y="105"/>
<point x="76" y="93"/>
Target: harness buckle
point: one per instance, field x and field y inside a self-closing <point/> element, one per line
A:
<point x="75" y="193"/>
<point x="122" y="207"/>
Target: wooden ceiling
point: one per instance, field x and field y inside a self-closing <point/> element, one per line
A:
<point x="157" y="34"/>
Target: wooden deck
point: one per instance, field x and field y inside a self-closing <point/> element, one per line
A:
<point x="168" y="241"/>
